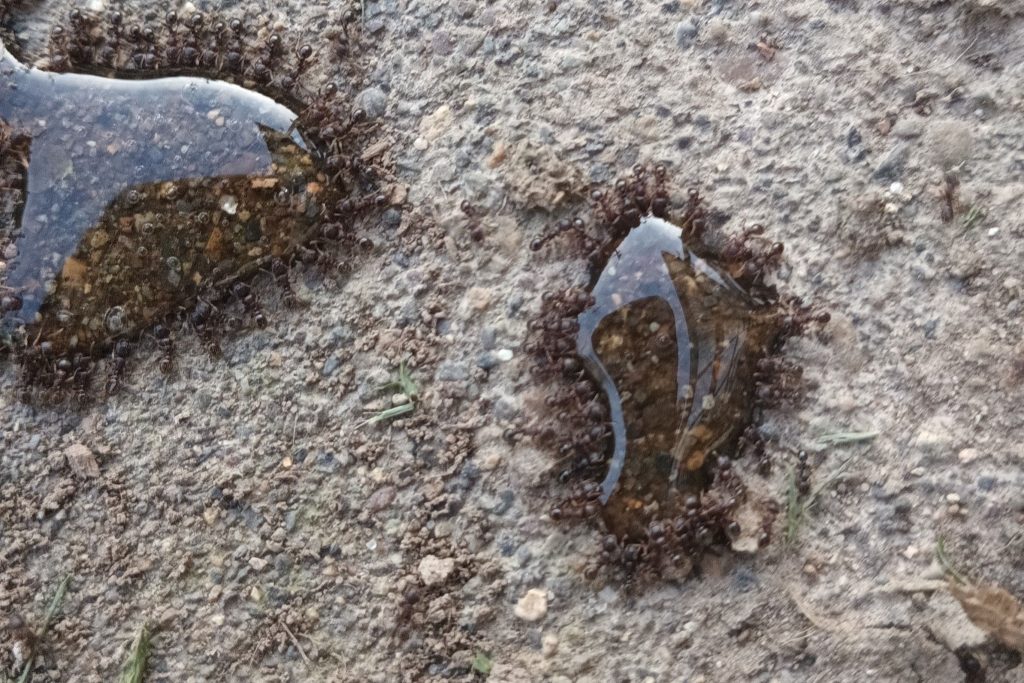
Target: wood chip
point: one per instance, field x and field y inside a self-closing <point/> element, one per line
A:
<point x="376" y="149"/>
<point x="398" y="193"/>
<point x="993" y="610"/>
<point x="81" y="460"/>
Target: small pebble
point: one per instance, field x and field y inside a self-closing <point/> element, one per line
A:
<point x="373" y="101"/>
<point x="442" y="43"/>
<point x="331" y="365"/>
<point x="950" y="142"/>
<point x="380" y="499"/>
<point x="504" y="355"/>
<point x="434" y="570"/>
<point x="952" y="498"/>
<point x="82" y="461"/>
<point x="968" y="455"/>
<point x="717" y="30"/>
<point x="549" y="645"/>
<point x="891" y="165"/>
<point x="686" y="31"/>
<point x="532" y="606"/>
<point x="906" y="128"/>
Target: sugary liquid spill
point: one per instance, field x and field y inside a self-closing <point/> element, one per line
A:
<point x="139" y="196"/>
<point x="673" y="343"/>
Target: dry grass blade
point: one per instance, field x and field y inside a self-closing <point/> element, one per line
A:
<point x="51" y="613"/>
<point x="843" y="438"/>
<point x="797" y="507"/>
<point x="794" y="507"/>
<point x="134" y="669"/>
<point x="993" y="610"/>
<point x="946" y="562"/>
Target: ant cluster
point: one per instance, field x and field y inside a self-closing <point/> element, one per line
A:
<point x="230" y="50"/>
<point x="303" y="213"/>
<point x="662" y="368"/>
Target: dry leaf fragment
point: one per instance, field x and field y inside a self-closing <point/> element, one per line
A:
<point x="81" y="460"/>
<point x="375" y="150"/>
<point x="993" y="610"/>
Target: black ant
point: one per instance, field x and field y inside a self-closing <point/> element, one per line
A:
<point x="119" y="362"/>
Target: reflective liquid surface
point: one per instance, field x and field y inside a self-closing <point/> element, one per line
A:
<point x="140" y="196"/>
<point x="673" y="343"/>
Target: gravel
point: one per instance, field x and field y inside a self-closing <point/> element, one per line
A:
<point x="321" y="524"/>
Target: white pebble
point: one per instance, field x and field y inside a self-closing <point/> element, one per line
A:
<point x="952" y="498"/>
<point x="504" y="355"/>
<point x="549" y="645"/>
<point x="968" y="455"/>
<point x="435" y="570"/>
<point x="532" y="606"/>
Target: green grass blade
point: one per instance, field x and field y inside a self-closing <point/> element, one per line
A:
<point x="135" y="668"/>
<point x="391" y="413"/>
<point x="794" y="506"/>
<point x="482" y="664"/>
<point x="51" y="613"/>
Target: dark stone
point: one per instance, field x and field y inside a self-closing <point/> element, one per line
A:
<point x="331" y="365"/>
<point x="489" y="338"/>
<point x="487" y="361"/>
<point x="326" y="462"/>
<point x="507" y="497"/>
<point x="891" y="166"/>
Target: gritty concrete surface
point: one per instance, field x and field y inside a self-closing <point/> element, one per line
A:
<point x="243" y="508"/>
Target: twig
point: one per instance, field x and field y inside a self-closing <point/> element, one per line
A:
<point x="295" y="642"/>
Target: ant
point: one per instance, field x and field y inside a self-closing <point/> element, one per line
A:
<point x="119" y="362"/>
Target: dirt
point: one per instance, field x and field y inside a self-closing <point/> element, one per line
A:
<point x="245" y="509"/>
